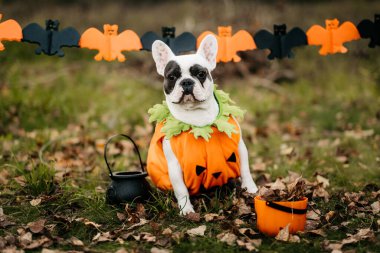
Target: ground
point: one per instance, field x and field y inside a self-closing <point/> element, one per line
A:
<point x="56" y="114"/>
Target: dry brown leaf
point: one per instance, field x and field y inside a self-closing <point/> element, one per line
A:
<point x="210" y="216"/>
<point x="88" y="222"/>
<point x="12" y="249"/>
<point x="76" y="242"/>
<point x="35" y="202"/>
<point x="121" y="216"/>
<point x="247" y="232"/>
<point x="239" y="222"/>
<point x="313" y="214"/>
<point x="375" y="207"/>
<point x="167" y="231"/>
<point x="39" y="242"/>
<point x="102" y="237"/>
<point x="329" y="216"/>
<point x="246" y="245"/>
<point x="145" y="236"/>
<point x="141" y="223"/>
<point x="198" y="231"/>
<point x="158" y="250"/>
<point x="227" y="237"/>
<point x="196" y="217"/>
<point x="243" y="208"/>
<point x="283" y="234"/>
<point x="324" y="181"/>
<point x="319" y="232"/>
<point x="121" y="250"/>
<point x="37" y="226"/>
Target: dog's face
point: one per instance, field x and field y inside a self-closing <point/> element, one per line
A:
<point x="187" y="78"/>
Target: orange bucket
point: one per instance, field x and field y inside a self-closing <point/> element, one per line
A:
<point x="273" y="216"/>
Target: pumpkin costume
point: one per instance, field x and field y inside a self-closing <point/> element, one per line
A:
<point x="208" y="155"/>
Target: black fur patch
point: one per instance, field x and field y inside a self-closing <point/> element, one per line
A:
<point x="172" y="73"/>
<point x="199" y="72"/>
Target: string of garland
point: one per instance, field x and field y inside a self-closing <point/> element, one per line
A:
<point x="110" y="44"/>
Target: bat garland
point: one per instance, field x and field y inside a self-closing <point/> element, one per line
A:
<point x="280" y="43"/>
<point x="333" y="36"/>
<point x="10" y="30"/>
<point x="50" y="40"/>
<point x="110" y="44"/>
<point x="228" y="44"/>
<point x="182" y="43"/>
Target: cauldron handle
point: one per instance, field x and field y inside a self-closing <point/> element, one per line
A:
<point x="134" y="145"/>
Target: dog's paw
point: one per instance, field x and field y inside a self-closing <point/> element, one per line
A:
<point x="188" y="208"/>
<point x="250" y="187"/>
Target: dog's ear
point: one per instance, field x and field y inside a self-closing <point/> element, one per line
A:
<point x="208" y="49"/>
<point x="162" y="54"/>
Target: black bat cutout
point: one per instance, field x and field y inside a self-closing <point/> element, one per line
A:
<point x="182" y="43"/>
<point x="370" y="30"/>
<point x="50" y="39"/>
<point x="280" y="43"/>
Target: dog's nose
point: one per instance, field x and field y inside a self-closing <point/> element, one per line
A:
<point x="187" y="85"/>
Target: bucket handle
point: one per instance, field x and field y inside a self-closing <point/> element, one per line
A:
<point x="134" y="145"/>
<point x="285" y="208"/>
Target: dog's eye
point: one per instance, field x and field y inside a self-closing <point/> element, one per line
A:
<point x="171" y="77"/>
<point x="202" y="74"/>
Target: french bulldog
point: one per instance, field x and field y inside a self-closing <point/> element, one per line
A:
<point x="188" y="88"/>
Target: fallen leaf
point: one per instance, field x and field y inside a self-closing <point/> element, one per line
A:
<point x="375" y="207"/>
<point x="329" y="216"/>
<point x="141" y="223"/>
<point x="37" y="226"/>
<point x="227" y="237"/>
<point x="38" y="243"/>
<point x="35" y="202"/>
<point x="198" y="231"/>
<point x="319" y="232"/>
<point x="248" y="232"/>
<point x="167" y="231"/>
<point x="243" y="208"/>
<point x="76" y="242"/>
<point x="88" y="222"/>
<point x="121" y="216"/>
<point x="102" y="237"/>
<point x="210" y="216"/>
<point x="158" y="250"/>
<point x="324" y="181"/>
<point x="283" y="234"/>
<point x="196" y="217"/>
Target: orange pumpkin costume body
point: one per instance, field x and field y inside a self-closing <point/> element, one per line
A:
<point x="205" y="163"/>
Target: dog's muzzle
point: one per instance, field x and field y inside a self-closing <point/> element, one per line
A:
<point x="187" y="86"/>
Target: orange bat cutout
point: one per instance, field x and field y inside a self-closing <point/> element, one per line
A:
<point x="333" y="37"/>
<point x="228" y="44"/>
<point x="109" y="43"/>
<point x="10" y="30"/>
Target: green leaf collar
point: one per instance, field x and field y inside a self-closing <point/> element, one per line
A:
<point x="172" y="126"/>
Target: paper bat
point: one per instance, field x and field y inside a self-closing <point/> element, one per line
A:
<point x="370" y="30"/>
<point x="110" y="44"/>
<point x="51" y="40"/>
<point x="182" y="43"/>
<point x="280" y="43"/>
<point x="10" y="30"/>
<point x="228" y="44"/>
<point x="332" y="37"/>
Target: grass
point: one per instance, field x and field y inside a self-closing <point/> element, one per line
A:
<point x="63" y="107"/>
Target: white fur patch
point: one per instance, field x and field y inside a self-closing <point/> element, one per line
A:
<point x="208" y="49"/>
<point x="162" y="54"/>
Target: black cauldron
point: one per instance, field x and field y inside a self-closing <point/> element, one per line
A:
<point x="127" y="186"/>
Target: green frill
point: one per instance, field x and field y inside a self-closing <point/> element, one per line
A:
<point x="172" y="126"/>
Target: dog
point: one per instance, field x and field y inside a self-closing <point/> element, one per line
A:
<point x="191" y="102"/>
